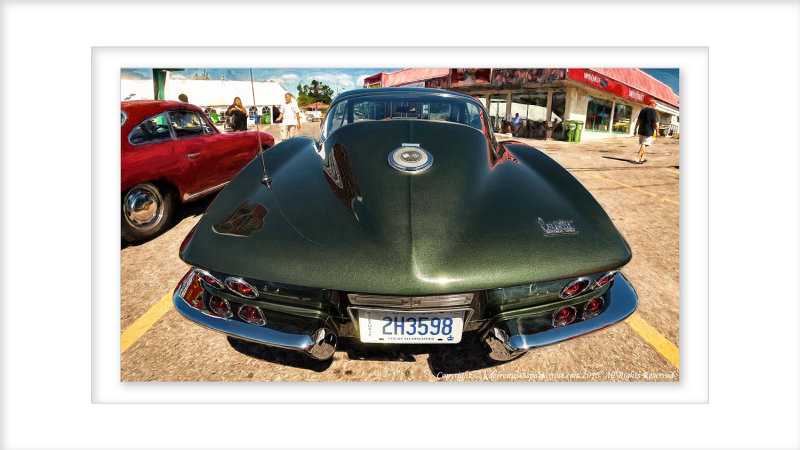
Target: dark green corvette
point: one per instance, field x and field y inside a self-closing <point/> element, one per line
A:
<point x="405" y="222"/>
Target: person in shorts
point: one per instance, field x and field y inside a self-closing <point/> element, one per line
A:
<point x="646" y="126"/>
<point x="290" y="115"/>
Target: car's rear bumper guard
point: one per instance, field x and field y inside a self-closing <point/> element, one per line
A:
<point x="319" y="344"/>
<point x="509" y="338"/>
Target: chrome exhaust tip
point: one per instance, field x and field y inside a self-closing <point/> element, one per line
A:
<point x="324" y="345"/>
<point x="499" y="350"/>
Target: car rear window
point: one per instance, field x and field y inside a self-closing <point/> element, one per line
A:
<point x="404" y="107"/>
<point x="154" y="129"/>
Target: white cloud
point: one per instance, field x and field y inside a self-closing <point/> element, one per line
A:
<point x="289" y="76"/>
<point x="360" y="79"/>
<point x="341" y="79"/>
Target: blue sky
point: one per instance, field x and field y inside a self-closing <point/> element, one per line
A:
<point x="666" y="76"/>
<point x="338" y="79"/>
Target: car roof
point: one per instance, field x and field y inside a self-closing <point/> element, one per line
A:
<point x="401" y="90"/>
<point x="138" y="110"/>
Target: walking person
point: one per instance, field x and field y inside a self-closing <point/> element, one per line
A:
<point x="290" y="114"/>
<point x="238" y="115"/>
<point x="646" y="126"/>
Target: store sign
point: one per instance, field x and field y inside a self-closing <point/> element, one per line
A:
<point x="608" y="85"/>
<point x="374" y="85"/>
<point x="438" y="83"/>
<point x="414" y="84"/>
<point x="516" y="77"/>
<point x="469" y="77"/>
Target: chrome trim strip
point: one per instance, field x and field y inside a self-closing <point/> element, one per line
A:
<point x="243" y="330"/>
<point x="204" y="191"/>
<point x="408" y="301"/>
<point x="621" y="302"/>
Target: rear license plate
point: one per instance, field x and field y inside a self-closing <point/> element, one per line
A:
<point x="410" y="327"/>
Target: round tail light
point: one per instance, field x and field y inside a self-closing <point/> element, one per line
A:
<point x="251" y="314"/>
<point x="593" y="307"/>
<point x="220" y="307"/>
<point x="605" y="279"/>
<point x="241" y="288"/>
<point x="209" y="279"/>
<point x="575" y="287"/>
<point x="564" y="316"/>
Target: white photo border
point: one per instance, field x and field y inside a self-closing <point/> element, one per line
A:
<point x="750" y="189"/>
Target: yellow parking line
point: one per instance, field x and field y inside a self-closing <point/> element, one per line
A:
<point x="630" y="187"/>
<point x="668" y="169"/>
<point x="142" y="324"/>
<point x="653" y="337"/>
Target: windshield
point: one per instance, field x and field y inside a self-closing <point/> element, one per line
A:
<point x="404" y="106"/>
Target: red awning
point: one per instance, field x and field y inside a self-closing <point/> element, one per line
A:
<point x="407" y="76"/>
<point x="637" y="79"/>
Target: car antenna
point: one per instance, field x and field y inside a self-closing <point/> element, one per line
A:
<point x="265" y="180"/>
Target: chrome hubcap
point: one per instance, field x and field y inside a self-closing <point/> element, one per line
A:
<point x="143" y="207"/>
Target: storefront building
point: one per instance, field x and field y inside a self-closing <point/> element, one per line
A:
<point x="607" y="101"/>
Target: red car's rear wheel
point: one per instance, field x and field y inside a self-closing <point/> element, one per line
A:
<point x="146" y="211"/>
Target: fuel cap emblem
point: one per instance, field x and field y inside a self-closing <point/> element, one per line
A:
<point x="410" y="158"/>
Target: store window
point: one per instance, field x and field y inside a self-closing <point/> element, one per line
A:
<point x="530" y="105"/>
<point x="598" y="114"/>
<point x="622" y="118"/>
<point x="497" y="110"/>
<point x="532" y="108"/>
<point x="557" y="106"/>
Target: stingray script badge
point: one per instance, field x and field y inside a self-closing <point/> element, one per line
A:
<point x="558" y="227"/>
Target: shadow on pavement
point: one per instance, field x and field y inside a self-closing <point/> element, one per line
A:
<point x="278" y="355"/>
<point x="469" y="354"/>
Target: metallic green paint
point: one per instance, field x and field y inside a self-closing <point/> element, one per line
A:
<point x="340" y="217"/>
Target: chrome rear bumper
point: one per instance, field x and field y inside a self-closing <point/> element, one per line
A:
<point x="318" y="344"/>
<point x="508" y="339"/>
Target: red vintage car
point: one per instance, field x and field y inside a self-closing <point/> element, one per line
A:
<point x="171" y="153"/>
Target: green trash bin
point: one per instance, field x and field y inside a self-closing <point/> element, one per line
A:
<point x="265" y="118"/>
<point x="578" y="128"/>
<point x="569" y="126"/>
<point x="213" y="116"/>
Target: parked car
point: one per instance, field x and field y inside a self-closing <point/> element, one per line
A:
<point x="393" y="227"/>
<point x="172" y="153"/>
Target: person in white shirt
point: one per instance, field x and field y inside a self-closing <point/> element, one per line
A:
<point x="290" y="114"/>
